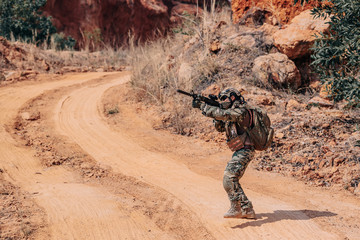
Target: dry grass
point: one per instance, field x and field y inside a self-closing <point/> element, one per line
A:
<point x="44" y="59"/>
<point x="194" y="57"/>
<point x="162" y="66"/>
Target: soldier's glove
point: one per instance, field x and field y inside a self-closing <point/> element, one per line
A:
<point x="196" y="103"/>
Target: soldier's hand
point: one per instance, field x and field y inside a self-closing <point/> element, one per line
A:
<point x="196" y="103"/>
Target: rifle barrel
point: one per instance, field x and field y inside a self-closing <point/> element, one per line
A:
<point x="185" y="93"/>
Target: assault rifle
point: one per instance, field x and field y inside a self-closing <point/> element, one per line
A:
<point x="211" y="100"/>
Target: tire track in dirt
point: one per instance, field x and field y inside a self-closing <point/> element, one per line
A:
<point x="78" y="116"/>
<point x="74" y="209"/>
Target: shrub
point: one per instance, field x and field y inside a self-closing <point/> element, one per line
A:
<point x="61" y="42"/>
<point x="336" y="53"/>
<point x="22" y="20"/>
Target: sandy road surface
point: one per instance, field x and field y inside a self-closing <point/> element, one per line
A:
<point x="74" y="210"/>
<point x="77" y="209"/>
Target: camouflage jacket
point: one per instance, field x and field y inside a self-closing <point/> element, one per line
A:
<point x="230" y="120"/>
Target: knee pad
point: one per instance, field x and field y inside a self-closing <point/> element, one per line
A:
<point x="230" y="182"/>
<point x="227" y="183"/>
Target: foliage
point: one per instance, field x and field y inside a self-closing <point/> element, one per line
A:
<point x="22" y="20"/>
<point x="61" y="42"/>
<point x="336" y="53"/>
<point x="92" y="38"/>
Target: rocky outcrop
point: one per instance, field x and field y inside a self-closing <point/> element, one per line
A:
<point x="94" y="23"/>
<point x="111" y="22"/>
<point x="278" y="11"/>
<point x="108" y="21"/>
<point x="297" y="37"/>
<point x="13" y="56"/>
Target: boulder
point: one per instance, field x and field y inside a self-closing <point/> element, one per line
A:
<point x="296" y="38"/>
<point x="320" y="102"/>
<point x="276" y="69"/>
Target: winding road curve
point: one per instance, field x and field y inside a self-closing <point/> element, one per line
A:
<point x="79" y="210"/>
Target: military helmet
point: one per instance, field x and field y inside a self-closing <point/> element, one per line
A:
<point x="227" y="93"/>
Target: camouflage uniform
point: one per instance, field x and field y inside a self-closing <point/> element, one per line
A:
<point x="225" y="120"/>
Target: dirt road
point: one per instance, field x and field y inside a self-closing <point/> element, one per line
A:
<point x="153" y="185"/>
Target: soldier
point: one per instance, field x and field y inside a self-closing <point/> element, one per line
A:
<point x="233" y="118"/>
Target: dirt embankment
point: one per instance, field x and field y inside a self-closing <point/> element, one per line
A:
<point x="20" y="217"/>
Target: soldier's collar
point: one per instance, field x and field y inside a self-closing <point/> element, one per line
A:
<point x="236" y="104"/>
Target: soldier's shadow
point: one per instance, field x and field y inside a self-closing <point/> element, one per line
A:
<point x="279" y="215"/>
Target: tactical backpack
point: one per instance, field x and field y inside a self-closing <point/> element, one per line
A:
<point x="261" y="133"/>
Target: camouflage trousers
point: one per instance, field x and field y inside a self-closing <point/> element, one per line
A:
<point x="233" y="172"/>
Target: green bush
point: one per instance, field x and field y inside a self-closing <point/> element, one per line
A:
<point x="22" y="20"/>
<point x="61" y="42"/>
<point x="336" y="53"/>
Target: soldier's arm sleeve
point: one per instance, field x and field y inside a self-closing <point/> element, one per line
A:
<point x="219" y="125"/>
<point x="232" y="114"/>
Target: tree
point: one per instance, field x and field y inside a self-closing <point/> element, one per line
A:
<point x="336" y="53"/>
<point x="23" y="20"/>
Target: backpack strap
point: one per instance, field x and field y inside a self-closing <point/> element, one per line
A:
<point x="251" y="120"/>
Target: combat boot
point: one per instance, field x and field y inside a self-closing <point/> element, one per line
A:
<point x="234" y="211"/>
<point x="248" y="213"/>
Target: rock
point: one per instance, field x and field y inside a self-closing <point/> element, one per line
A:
<point x="45" y="65"/>
<point x="321" y="102"/>
<point x="265" y="100"/>
<point x="279" y="135"/>
<point x="338" y="161"/>
<point x="299" y="159"/>
<point x="292" y="104"/>
<point x="282" y="10"/>
<point x="276" y="69"/>
<point x="343" y="136"/>
<point x="30" y="116"/>
<point x="87" y="165"/>
<point x="180" y="8"/>
<point x="256" y="16"/>
<point x="357" y="191"/>
<point x="316" y="85"/>
<point x="215" y="46"/>
<point x="71" y="69"/>
<point x="297" y="38"/>
<point x="306" y="169"/>
<point x="237" y="40"/>
<point x="269" y="29"/>
<point x="30" y="73"/>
